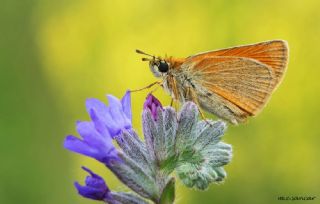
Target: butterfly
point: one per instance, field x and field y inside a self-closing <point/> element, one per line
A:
<point x="232" y="83"/>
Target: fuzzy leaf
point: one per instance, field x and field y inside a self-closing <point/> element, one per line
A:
<point x="134" y="176"/>
<point x="200" y="176"/>
<point x="188" y="117"/>
<point x="160" y="140"/>
<point x="150" y="133"/>
<point x="170" y="129"/>
<point x="201" y="159"/>
<point x="208" y="132"/>
<point x="135" y="149"/>
<point x="125" y="198"/>
<point x="160" y="137"/>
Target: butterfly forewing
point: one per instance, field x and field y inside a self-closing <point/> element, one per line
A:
<point x="272" y="53"/>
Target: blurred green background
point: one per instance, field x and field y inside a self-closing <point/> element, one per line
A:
<point x="55" y="54"/>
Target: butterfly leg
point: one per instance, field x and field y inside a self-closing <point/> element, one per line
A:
<point x="174" y="105"/>
<point x="193" y="96"/>
<point x="147" y="87"/>
<point x="155" y="89"/>
<point x="171" y="102"/>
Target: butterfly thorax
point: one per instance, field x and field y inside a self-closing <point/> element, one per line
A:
<point x="174" y="63"/>
<point x="177" y="81"/>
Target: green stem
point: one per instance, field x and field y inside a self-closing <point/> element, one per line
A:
<point x="168" y="193"/>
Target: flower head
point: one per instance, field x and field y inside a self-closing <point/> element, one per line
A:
<point x="174" y="142"/>
<point x="93" y="144"/>
<point x="111" y="119"/>
<point x="107" y="122"/>
<point x="152" y="103"/>
<point x="95" y="187"/>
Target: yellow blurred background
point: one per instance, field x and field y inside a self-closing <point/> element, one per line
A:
<point x="55" y="54"/>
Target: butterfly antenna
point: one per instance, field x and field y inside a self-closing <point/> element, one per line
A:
<point x="143" y="53"/>
<point x="146" y="59"/>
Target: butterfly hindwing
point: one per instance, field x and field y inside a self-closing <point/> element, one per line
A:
<point x="243" y="85"/>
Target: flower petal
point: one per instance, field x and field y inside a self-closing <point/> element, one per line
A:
<point x="89" y="192"/>
<point x="74" y="144"/>
<point x="95" y="180"/>
<point x="100" y="115"/>
<point x="101" y="110"/>
<point x="88" y="132"/>
<point x="152" y="103"/>
<point x="118" y="115"/>
<point x="95" y="187"/>
<point x="91" y="173"/>
<point x="99" y="124"/>
<point x="117" y="110"/>
<point x="96" y="105"/>
<point x="126" y="105"/>
<point x="113" y="118"/>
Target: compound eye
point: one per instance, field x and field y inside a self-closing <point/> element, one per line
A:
<point x="163" y="67"/>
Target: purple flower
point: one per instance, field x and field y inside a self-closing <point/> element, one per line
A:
<point x="95" y="187"/>
<point x="94" y="144"/>
<point x="152" y="103"/>
<point x="112" y="119"/>
<point x="107" y="122"/>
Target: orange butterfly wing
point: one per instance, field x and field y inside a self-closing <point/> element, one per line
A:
<point x="271" y="53"/>
<point x="241" y="78"/>
<point x="244" y="82"/>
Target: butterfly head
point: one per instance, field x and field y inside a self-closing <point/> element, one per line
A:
<point x="158" y="66"/>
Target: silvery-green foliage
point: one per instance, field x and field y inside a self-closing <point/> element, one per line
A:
<point x="125" y="198"/>
<point x="200" y="162"/>
<point x="188" y="145"/>
<point x="177" y="142"/>
<point x="137" y="170"/>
